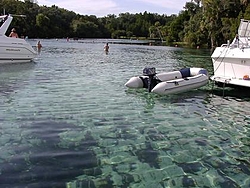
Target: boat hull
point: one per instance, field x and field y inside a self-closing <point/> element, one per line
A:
<point x="13" y="61"/>
<point x="13" y="50"/>
<point x="181" y="85"/>
<point x="231" y="66"/>
<point x="231" y="62"/>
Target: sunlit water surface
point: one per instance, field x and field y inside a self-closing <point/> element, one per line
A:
<point x="67" y="120"/>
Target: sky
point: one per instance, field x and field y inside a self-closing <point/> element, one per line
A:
<point x="101" y="8"/>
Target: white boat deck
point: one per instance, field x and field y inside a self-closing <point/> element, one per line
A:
<point x="231" y="81"/>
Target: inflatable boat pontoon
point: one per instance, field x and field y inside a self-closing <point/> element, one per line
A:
<point x="170" y="82"/>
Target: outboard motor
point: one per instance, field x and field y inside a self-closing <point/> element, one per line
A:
<point x="150" y="72"/>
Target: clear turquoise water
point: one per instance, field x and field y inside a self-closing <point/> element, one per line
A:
<point x="67" y="120"/>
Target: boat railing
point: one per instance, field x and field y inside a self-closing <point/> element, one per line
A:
<point x="242" y="42"/>
<point x="242" y="39"/>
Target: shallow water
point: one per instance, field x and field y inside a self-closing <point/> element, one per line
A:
<point x="67" y="120"/>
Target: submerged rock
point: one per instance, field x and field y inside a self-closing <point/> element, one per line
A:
<point x="188" y="182"/>
<point x="192" y="167"/>
<point x="148" y="155"/>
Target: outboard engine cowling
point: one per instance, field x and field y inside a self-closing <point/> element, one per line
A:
<point x="150" y="72"/>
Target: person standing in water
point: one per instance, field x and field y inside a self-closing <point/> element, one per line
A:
<point x="39" y="47"/>
<point x="106" y="48"/>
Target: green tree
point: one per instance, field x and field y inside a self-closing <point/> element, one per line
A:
<point x="177" y="26"/>
<point x="247" y="13"/>
<point x="214" y="11"/>
<point x="42" y="23"/>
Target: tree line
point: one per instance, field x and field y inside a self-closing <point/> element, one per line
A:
<point x="204" y="23"/>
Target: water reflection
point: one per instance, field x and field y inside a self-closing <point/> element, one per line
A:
<point x="237" y="94"/>
<point x="17" y="68"/>
<point x="194" y="58"/>
<point x="10" y="76"/>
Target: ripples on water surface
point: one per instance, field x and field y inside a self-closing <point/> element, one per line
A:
<point x="68" y="121"/>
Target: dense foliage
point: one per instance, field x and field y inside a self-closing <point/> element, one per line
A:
<point x="205" y="23"/>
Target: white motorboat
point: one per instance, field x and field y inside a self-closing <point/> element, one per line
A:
<point x="13" y="50"/>
<point x="231" y="62"/>
<point x="170" y="82"/>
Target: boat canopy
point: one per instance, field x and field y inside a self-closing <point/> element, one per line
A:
<point x="244" y="28"/>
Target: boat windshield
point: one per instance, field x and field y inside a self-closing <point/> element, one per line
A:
<point x="2" y="19"/>
<point x="244" y="28"/>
